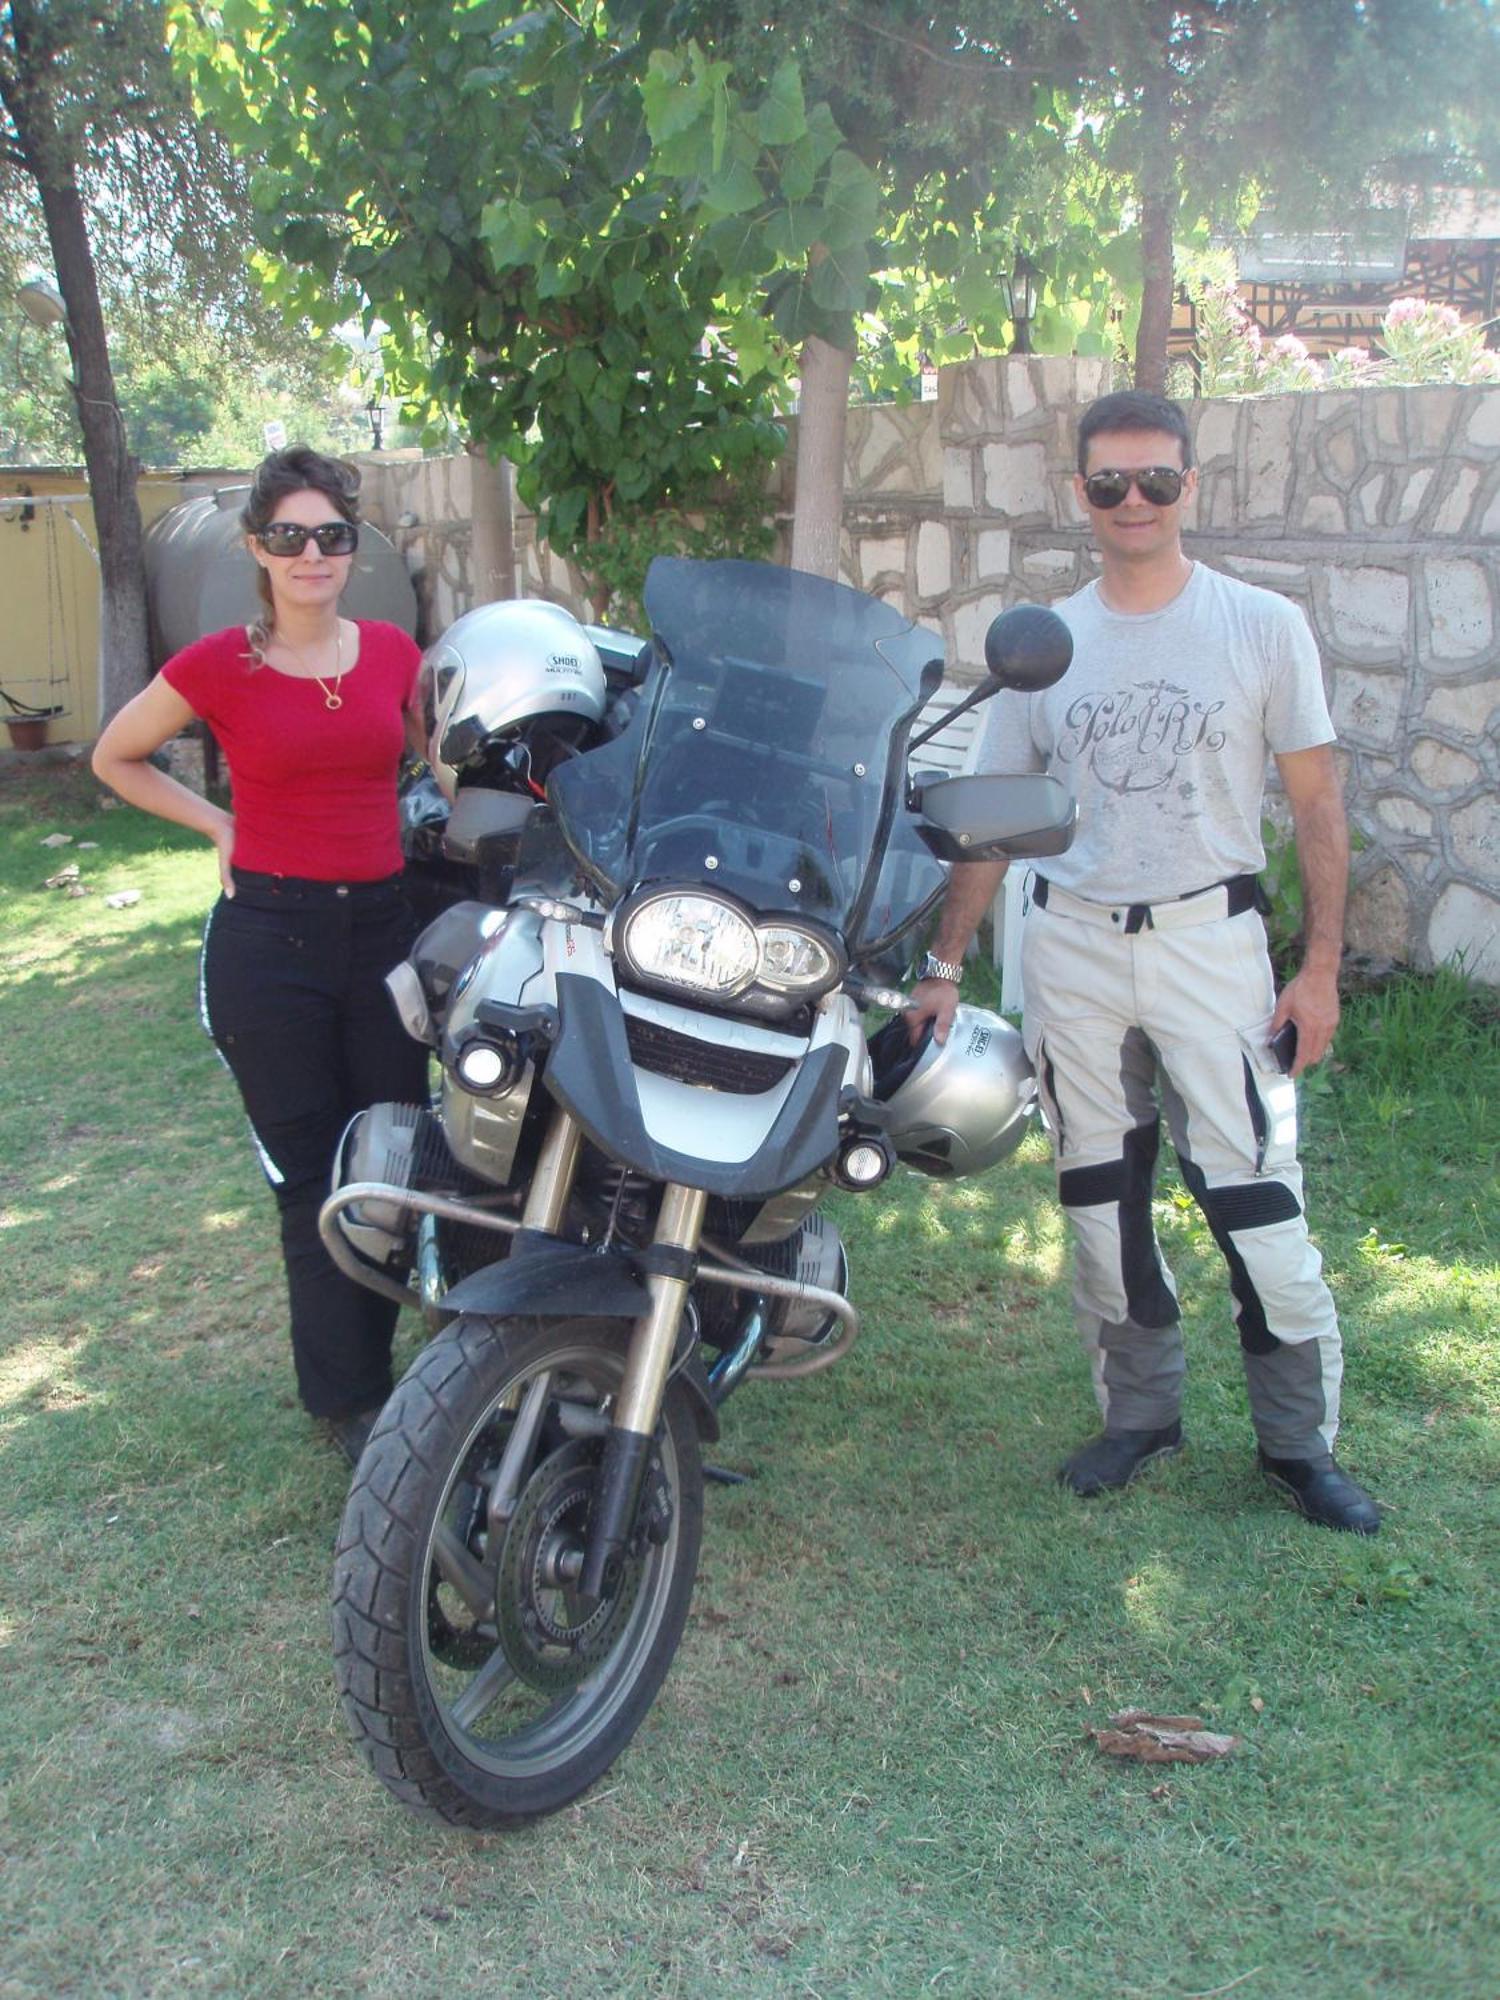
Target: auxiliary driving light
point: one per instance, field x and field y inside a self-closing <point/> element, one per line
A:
<point x="863" y="1163"/>
<point x="488" y="1068"/>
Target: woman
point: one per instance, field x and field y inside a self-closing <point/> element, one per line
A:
<point x="311" y="711"/>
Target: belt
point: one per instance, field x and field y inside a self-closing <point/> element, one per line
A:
<point x="1231" y="898"/>
<point x="303" y="890"/>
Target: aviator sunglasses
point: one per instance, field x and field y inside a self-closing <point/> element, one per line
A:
<point x="290" y="538"/>
<point x="1159" y="485"/>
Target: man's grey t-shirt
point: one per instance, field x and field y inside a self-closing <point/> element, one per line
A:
<point x="1160" y="729"/>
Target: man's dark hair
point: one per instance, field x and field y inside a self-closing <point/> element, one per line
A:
<point x="1133" y="410"/>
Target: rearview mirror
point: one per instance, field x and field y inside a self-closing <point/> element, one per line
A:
<point x="1027" y="648"/>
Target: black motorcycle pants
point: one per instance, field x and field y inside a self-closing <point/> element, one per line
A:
<point x="293" y="994"/>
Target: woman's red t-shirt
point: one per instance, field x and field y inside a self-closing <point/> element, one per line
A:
<point x="313" y="789"/>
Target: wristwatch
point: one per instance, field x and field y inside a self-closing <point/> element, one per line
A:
<point x="941" y="968"/>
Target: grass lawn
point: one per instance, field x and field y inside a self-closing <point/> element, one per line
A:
<point x="869" y="1772"/>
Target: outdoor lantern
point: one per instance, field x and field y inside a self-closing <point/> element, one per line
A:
<point x="1021" y="296"/>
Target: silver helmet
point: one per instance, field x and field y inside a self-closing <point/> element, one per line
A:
<point x="959" y="1106"/>
<point x="521" y="669"/>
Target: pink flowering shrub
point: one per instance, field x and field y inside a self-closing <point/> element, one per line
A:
<point x="1421" y="340"/>
<point x="1427" y="341"/>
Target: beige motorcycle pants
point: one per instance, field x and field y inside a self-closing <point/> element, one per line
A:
<point x="1165" y="1009"/>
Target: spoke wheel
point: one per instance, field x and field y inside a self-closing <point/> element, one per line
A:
<point x="481" y="1686"/>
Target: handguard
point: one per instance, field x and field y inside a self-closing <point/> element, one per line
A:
<point x="988" y="818"/>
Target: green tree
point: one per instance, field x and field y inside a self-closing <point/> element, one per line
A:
<point x="1205" y="109"/>
<point x="108" y="179"/>
<point x="67" y="73"/>
<point x="895" y="167"/>
<point x="477" y="178"/>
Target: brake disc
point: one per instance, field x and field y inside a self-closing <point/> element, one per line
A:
<point x="552" y="1637"/>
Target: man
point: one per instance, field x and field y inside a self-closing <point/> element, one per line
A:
<point x="1148" y="985"/>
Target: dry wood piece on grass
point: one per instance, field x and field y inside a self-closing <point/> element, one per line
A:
<point x="1162" y="1739"/>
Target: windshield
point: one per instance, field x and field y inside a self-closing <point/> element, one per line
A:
<point x="767" y="756"/>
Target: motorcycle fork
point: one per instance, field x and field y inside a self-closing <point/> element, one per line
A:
<point x="670" y="1265"/>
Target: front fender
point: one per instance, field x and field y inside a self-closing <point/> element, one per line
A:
<point x="554" y="1280"/>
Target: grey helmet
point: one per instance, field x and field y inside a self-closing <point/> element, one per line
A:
<point x="956" y="1107"/>
<point x="520" y="669"/>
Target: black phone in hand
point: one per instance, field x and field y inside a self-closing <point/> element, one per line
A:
<point x="1283" y="1046"/>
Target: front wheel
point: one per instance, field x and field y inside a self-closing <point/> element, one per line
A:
<point x="481" y="1686"/>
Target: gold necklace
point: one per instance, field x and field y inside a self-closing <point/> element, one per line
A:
<point x="331" y="696"/>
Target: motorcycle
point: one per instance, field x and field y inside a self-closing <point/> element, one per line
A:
<point x="654" y="1067"/>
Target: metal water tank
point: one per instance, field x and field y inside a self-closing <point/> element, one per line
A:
<point x="200" y="577"/>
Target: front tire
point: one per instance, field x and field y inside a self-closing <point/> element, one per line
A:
<point x="481" y="1688"/>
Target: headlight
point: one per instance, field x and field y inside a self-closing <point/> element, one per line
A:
<point x="794" y="961"/>
<point x="696" y="943"/>
<point x="700" y="943"/>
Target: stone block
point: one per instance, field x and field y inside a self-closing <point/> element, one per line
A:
<point x="1269" y="458"/>
<point x="1371" y="501"/>
<point x="1403" y="815"/>
<point x="1324" y="514"/>
<point x="880" y="557"/>
<point x="1020" y="395"/>
<point x="1474" y="709"/>
<point x="934" y="560"/>
<point x="992" y="555"/>
<point x="1474" y="833"/>
<point x="1367" y="707"/>
<point x="1441" y="768"/>
<point x="971" y="620"/>
<point x="1049" y="566"/>
<point x="1452" y="512"/>
<point x="1056" y="378"/>
<point x="1465" y="929"/>
<point x="1368" y="611"/>
<point x="1015" y="480"/>
<point x="958" y="478"/>
<point x="1413" y="493"/>
<point x="1213" y="436"/>
<point x="1386" y="416"/>
<point x="1460" y="609"/>
<point x="1338" y="451"/>
<point x="1092" y="373"/>
<point x="1217" y="510"/>
<point x="1265" y="569"/>
<point x="1378" y="919"/>
<point x="1429" y="415"/>
<point x="1489" y="527"/>
<point x="1484" y="419"/>
<point x="928" y="456"/>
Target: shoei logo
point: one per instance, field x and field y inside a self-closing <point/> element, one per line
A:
<point x="562" y="663"/>
<point x="979" y="1041"/>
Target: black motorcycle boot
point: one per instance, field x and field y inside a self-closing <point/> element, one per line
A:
<point x="1113" y="1459"/>
<point x="352" y="1433"/>
<point x="1324" y="1493"/>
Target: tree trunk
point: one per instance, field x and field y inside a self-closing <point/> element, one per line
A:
<point x="1156" y="186"/>
<point x="124" y="654"/>
<point x="492" y="554"/>
<point x="822" y="421"/>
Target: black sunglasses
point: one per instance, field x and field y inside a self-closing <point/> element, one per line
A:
<point x="290" y="538"/>
<point x="1160" y="485"/>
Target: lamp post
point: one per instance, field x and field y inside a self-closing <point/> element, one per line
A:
<point x="375" y="411"/>
<point x="1021" y="294"/>
<point x="41" y="302"/>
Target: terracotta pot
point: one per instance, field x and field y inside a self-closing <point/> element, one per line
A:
<point x="27" y="732"/>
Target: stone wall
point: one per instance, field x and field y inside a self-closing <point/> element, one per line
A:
<point x="1378" y="511"/>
